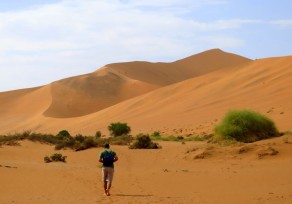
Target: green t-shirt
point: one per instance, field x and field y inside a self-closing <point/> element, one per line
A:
<point x="101" y="156"/>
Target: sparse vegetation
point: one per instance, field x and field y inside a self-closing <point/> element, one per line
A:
<point x="121" y="140"/>
<point x="63" y="141"/>
<point x="55" y="158"/>
<point x="179" y="138"/>
<point x="119" y="129"/>
<point x="143" y="141"/>
<point x="245" y="126"/>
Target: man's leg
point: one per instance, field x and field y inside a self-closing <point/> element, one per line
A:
<point x="104" y="179"/>
<point x="105" y="186"/>
<point x="110" y="175"/>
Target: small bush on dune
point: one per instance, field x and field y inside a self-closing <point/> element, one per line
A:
<point x="98" y="134"/>
<point x="156" y="134"/>
<point x="63" y="133"/>
<point x="144" y="142"/>
<point x="119" y="129"/>
<point x="88" y="142"/>
<point x="55" y="158"/>
<point x="245" y="126"/>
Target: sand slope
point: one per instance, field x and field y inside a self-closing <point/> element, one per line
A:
<point x="191" y="106"/>
<point x="195" y="105"/>
<point x="114" y="83"/>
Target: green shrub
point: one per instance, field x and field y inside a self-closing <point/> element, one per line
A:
<point x="180" y="137"/>
<point x="98" y="134"/>
<point x="156" y="134"/>
<point x="119" y="129"/>
<point x="245" y="126"/>
<point x="55" y="158"/>
<point x="47" y="159"/>
<point x="64" y="133"/>
<point x="144" y="142"/>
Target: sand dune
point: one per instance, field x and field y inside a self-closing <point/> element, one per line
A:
<point x="92" y="92"/>
<point x="114" y="83"/>
<point x="191" y="106"/>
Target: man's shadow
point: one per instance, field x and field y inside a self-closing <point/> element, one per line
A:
<point x="134" y="195"/>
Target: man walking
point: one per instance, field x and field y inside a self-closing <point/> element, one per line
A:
<point x="107" y="158"/>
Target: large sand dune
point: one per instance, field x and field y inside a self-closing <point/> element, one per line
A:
<point x="185" y="103"/>
<point x="114" y="83"/>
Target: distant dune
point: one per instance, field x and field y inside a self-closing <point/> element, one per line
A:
<point x="187" y="96"/>
<point x="114" y="83"/>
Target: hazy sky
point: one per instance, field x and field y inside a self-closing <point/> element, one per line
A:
<point x="42" y="41"/>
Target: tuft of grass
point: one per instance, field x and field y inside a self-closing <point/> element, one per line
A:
<point x="287" y="133"/>
<point x="245" y="126"/>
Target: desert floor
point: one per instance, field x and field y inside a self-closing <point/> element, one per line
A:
<point x="194" y="172"/>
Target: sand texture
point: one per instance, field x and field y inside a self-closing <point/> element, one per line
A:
<point x="196" y="172"/>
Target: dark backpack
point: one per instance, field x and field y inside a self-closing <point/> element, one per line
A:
<point x="108" y="158"/>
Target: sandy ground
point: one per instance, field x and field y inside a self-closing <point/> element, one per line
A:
<point x="195" y="172"/>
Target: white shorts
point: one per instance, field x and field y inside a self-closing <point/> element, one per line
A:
<point x="107" y="174"/>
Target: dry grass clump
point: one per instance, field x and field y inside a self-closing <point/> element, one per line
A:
<point x="55" y="158"/>
<point x="267" y="151"/>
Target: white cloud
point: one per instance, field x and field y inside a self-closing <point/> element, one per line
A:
<point x="80" y="36"/>
<point x="283" y="23"/>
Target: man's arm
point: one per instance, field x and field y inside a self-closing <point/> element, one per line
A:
<point x="116" y="158"/>
<point x="100" y="158"/>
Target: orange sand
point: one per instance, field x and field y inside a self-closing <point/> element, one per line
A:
<point x="168" y="175"/>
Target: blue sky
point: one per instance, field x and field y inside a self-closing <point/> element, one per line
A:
<point x="42" y="41"/>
